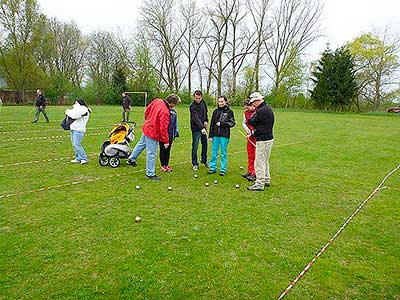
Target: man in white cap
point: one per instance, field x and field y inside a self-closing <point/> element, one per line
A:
<point x="263" y="122"/>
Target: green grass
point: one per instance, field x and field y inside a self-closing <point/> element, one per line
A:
<point x="80" y="241"/>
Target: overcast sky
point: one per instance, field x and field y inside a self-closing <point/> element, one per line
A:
<point x="342" y="20"/>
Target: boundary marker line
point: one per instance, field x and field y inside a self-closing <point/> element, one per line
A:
<point x="309" y="265"/>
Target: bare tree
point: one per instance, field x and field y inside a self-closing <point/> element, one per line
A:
<point x="295" y="25"/>
<point x="159" y="21"/>
<point x="193" y="41"/>
<point x="259" y="13"/>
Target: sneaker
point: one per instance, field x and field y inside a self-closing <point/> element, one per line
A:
<point x="195" y="168"/>
<point x="84" y="161"/>
<point x="154" y="177"/>
<point x="222" y="174"/>
<point x="211" y="172"/>
<point x="205" y="164"/>
<point x="245" y="175"/>
<point x="267" y="184"/>
<point x="251" y="178"/>
<point x="34" y="122"/>
<point x="131" y="163"/>
<point x="75" y="161"/>
<point x="164" y="169"/>
<point x="254" y="187"/>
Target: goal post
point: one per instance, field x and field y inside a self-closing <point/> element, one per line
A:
<point x="140" y="93"/>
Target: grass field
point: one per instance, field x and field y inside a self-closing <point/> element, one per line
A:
<point x="68" y="231"/>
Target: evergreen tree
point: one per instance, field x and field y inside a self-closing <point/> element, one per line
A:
<point x="334" y="79"/>
<point x="322" y="78"/>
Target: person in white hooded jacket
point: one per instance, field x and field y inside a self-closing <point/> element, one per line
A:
<point x="80" y="112"/>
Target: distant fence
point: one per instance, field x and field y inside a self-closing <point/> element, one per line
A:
<point x="17" y="97"/>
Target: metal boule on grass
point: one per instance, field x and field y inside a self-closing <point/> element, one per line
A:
<point x="138" y="219"/>
<point x="237" y="186"/>
<point x="170" y="188"/>
<point x="195" y="175"/>
<point x="206" y="184"/>
<point x="138" y="187"/>
<point x="241" y="167"/>
<point x="215" y="181"/>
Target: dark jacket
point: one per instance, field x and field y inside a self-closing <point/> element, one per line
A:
<point x="263" y="122"/>
<point x="226" y="117"/>
<point x="40" y="101"/>
<point x="173" y="130"/>
<point x="126" y="102"/>
<point x="198" y="115"/>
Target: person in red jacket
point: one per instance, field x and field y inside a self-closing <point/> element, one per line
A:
<point x="249" y="111"/>
<point x="155" y="130"/>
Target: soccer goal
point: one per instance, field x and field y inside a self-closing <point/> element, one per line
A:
<point x="140" y="99"/>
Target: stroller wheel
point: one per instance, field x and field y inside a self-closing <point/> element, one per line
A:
<point x="103" y="160"/>
<point x="114" y="161"/>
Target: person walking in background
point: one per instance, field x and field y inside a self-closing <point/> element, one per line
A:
<point x="80" y="112"/>
<point x="173" y="132"/>
<point x="126" y="107"/>
<point x="198" y="125"/>
<point x="40" y="105"/>
<point x="249" y="110"/>
<point x="155" y="129"/>
<point x="222" y="121"/>
<point x="263" y="122"/>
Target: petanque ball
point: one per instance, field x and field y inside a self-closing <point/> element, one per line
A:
<point x="237" y="186"/>
<point x="170" y="188"/>
<point x="206" y="184"/>
<point x="215" y="181"/>
<point x="195" y="175"/>
<point x="241" y="167"/>
<point x="138" y="219"/>
<point x="138" y="187"/>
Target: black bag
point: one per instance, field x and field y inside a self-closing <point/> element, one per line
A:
<point x="66" y="122"/>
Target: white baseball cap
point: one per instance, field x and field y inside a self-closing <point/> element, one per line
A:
<point x="255" y="96"/>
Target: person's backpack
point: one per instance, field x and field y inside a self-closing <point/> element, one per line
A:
<point x="65" y="124"/>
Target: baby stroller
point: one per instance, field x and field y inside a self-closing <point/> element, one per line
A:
<point x="117" y="145"/>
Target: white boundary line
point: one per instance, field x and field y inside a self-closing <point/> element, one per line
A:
<point x="47" y="137"/>
<point x="46" y="130"/>
<point x="309" y="265"/>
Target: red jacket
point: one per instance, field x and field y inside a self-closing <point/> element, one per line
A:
<point x="156" y="121"/>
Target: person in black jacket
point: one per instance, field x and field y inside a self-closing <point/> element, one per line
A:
<point x="263" y="122"/>
<point x="40" y="105"/>
<point x="198" y="124"/>
<point x="126" y="107"/>
<point x="222" y="121"/>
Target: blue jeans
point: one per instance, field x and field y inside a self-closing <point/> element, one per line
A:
<point x="151" y="152"/>
<point x="216" y="143"/>
<point x="196" y="136"/>
<point x="76" y="138"/>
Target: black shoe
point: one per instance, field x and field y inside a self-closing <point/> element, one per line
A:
<point x="267" y="185"/>
<point x="132" y="163"/>
<point x="154" y="177"/>
<point x="33" y="121"/>
<point x="211" y="172"/>
<point x="245" y="175"/>
<point x="251" y="178"/>
<point x="47" y="121"/>
<point x="222" y="174"/>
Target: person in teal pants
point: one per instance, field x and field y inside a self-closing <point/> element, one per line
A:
<point x="223" y="119"/>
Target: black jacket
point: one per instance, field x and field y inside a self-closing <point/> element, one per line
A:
<point x="263" y="122"/>
<point x="126" y="102"/>
<point x="226" y="117"/>
<point x="40" y="101"/>
<point x="198" y="115"/>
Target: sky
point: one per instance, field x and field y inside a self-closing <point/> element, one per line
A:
<point x="342" y="20"/>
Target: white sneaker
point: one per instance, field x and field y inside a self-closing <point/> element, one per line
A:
<point x="83" y="161"/>
<point x="195" y="168"/>
<point x="75" y="161"/>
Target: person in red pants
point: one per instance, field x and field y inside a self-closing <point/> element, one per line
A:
<point x="249" y="110"/>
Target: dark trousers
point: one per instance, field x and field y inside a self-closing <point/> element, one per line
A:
<point x="196" y="137"/>
<point x="165" y="154"/>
